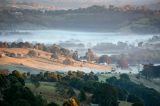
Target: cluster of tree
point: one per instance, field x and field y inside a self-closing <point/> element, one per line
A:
<point x="56" y="50"/>
<point x="151" y="71"/>
<point x="137" y="94"/>
<point x="81" y="75"/>
<point x="46" y="76"/>
<point x="103" y="94"/>
<point x="13" y="92"/>
<point x="58" y="77"/>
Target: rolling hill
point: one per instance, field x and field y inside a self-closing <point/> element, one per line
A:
<point x="94" y="18"/>
<point x="44" y="61"/>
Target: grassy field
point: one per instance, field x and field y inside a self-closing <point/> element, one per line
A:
<point x="48" y="91"/>
<point x="103" y="77"/>
<point x="123" y="103"/>
<point x="21" y="68"/>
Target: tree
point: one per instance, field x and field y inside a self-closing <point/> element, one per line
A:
<point x="142" y="94"/>
<point x="54" y="55"/>
<point x="75" y="55"/>
<point x="32" y="53"/>
<point x="65" y="52"/>
<point x="122" y="94"/>
<point x="124" y="77"/>
<point x="105" y="95"/>
<point x="28" y="74"/>
<point x="82" y="96"/>
<point x="80" y="74"/>
<point x="16" y="94"/>
<point x="134" y="99"/>
<point x="103" y="59"/>
<point x="123" y="62"/>
<point x="35" y="82"/>
<point x="17" y="74"/>
<point x="71" y="102"/>
<point x="90" y="55"/>
<point x="68" y="61"/>
<point x="71" y="92"/>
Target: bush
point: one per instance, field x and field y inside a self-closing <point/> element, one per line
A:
<point x="103" y="59"/>
<point x="68" y="61"/>
<point x="137" y="104"/>
<point x="133" y="99"/>
<point x="82" y="96"/>
<point x="32" y="53"/>
<point x="71" y="92"/>
<point x="124" y="77"/>
<point x="71" y="102"/>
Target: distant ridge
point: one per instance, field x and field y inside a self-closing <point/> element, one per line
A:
<point x="94" y="18"/>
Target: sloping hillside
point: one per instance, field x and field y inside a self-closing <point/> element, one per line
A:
<point x="44" y="61"/>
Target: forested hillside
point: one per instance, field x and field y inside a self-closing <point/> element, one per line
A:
<point x="95" y="18"/>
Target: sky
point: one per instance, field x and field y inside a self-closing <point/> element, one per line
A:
<point x="72" y="4"/>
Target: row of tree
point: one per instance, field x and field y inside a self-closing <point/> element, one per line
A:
<point x="56" y="51"/>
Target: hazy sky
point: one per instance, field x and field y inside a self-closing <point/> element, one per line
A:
<point x="66" y="4"/>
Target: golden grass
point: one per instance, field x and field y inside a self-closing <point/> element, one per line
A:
<point x="44" y="62"/>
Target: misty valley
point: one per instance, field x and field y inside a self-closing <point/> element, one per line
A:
<point x="79" y="53"/>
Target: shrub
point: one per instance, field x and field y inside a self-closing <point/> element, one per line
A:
<point x="32" y="53"/>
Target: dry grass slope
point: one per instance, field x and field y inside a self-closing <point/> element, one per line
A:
<point x="44" y="61"/>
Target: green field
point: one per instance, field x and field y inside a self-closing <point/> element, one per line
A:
<point x="20" y="68"/>
<point x="48" y="91"/>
